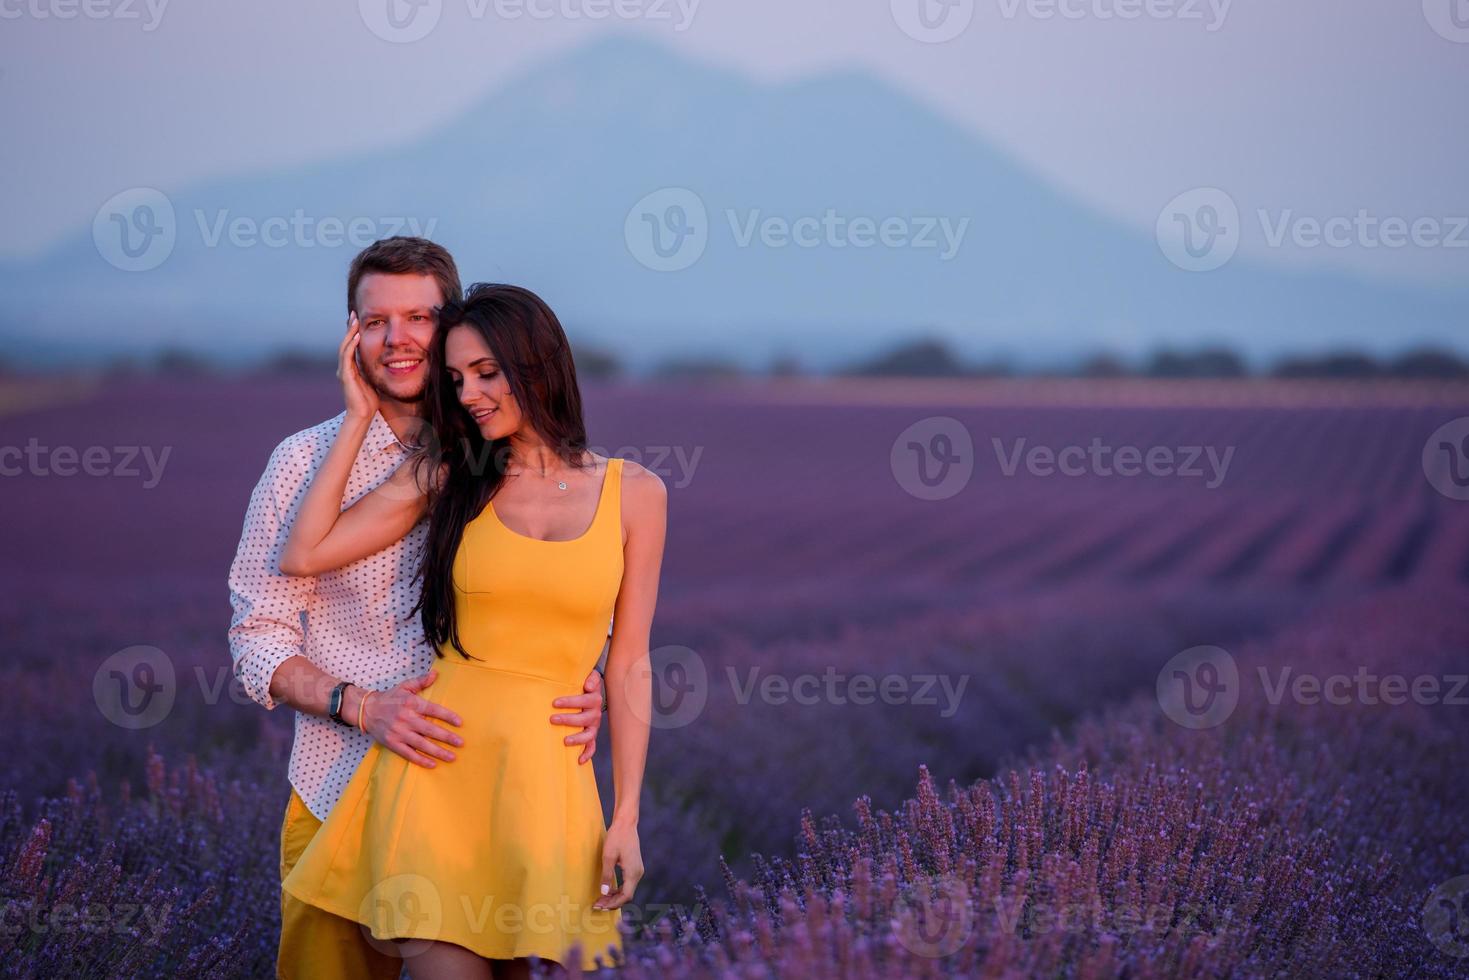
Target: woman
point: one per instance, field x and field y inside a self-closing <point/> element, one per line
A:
<point x="534" y="543"/>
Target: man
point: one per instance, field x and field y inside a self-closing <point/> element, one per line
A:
<point x="320" y="644"/>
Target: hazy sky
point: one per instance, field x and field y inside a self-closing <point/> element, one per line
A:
<point x="1317" y="108"/>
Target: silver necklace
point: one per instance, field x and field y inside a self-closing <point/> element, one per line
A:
<point x="560" y="484"/>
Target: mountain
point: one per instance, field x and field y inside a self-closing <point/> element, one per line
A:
<point x="537" y="185"/>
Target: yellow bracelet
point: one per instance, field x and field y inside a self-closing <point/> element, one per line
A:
<point x="362" y="708"/>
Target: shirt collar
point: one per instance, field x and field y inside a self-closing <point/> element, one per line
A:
<point x="380" y="435"/>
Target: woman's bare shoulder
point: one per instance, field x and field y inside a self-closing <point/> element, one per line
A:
<point x="642" y="489"/>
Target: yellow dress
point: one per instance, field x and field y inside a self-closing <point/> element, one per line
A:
<point x="500" y="850"/>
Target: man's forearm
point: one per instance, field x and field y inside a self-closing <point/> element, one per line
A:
<point x="306" y="687"/>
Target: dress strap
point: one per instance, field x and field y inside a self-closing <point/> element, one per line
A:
<point x="611" y="499"/>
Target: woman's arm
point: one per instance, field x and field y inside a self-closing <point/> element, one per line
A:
<point x="323" y="536"/>
<point x="630" y="676"/>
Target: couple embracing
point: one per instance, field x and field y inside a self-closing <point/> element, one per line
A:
<point x="426" y="578"/>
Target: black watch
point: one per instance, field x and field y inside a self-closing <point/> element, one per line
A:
<point x="334" y="705"/>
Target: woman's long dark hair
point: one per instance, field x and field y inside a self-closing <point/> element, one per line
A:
<point x="527" y="341"/>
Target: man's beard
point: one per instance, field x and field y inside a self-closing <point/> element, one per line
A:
<point x="380" y="386"/>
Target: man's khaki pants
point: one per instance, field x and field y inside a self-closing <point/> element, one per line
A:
<point x="316" y="945"/>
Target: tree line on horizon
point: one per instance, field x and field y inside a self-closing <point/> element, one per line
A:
<point x="924" y="357"/>
<point x="935" y="358"/>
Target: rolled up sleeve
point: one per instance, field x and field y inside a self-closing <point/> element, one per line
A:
<point x="266" y="625"/>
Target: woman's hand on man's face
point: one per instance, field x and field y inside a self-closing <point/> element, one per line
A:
<point x="361" y="397"/>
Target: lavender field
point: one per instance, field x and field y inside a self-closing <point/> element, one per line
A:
<point x="1022" y="707"/>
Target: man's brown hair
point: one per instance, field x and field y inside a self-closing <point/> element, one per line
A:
<point x="405" y="255"/>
